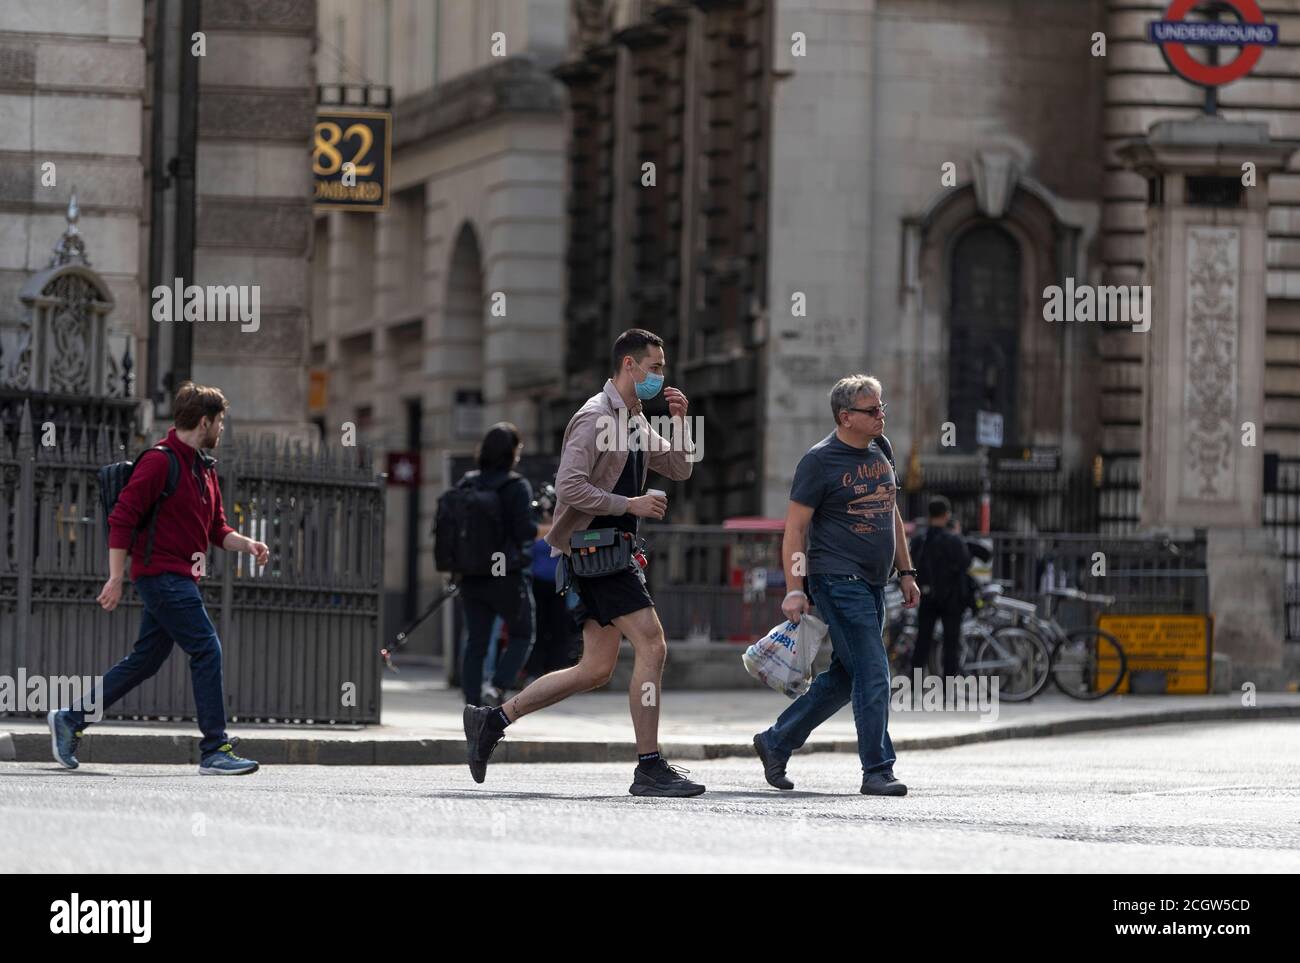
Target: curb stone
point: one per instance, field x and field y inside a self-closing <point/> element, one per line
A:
<point x="166" y="749"/>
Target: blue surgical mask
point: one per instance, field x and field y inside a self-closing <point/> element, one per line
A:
<point x="653" y="384"/>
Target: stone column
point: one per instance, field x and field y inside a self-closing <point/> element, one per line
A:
<point x="257" y="108"/>
<point x="1202" y="463"/>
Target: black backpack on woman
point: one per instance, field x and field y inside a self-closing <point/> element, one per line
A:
<point x="470" y="527"/>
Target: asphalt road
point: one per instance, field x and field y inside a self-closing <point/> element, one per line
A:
<point x="1220" y="797"/>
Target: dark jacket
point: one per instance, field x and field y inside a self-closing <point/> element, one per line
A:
<point x="188" y="521"/>
<point x="941" y="559"/>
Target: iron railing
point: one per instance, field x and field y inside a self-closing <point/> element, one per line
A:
<point x="299" y="638"/>
<point x="1281" y="511"/>
<point x="1077" y="500"/>
<point x="717" y="584"/>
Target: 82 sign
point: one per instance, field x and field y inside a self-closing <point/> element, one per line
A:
<point x="350" y="160"/>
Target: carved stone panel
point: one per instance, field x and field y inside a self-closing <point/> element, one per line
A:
<point x="1210" y="360"/>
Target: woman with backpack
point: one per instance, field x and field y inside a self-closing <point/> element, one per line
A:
<point x="499" y="524"/>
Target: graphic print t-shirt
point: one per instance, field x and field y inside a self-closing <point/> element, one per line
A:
<point x="853" y="491"/>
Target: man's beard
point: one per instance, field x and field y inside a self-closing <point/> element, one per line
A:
<point x="211" y="440"/>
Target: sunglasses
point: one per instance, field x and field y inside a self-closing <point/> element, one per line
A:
<point x="875" y="412"/>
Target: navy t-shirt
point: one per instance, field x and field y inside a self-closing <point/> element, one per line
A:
<point x="853" y="491"/>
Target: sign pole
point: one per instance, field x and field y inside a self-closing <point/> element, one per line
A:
<point x="986" y="491"/>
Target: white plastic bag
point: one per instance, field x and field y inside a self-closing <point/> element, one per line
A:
<point x="783" y="659"/>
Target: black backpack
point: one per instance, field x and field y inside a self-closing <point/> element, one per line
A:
<point x="470" y="527"/>
<point x="113" y="479"/>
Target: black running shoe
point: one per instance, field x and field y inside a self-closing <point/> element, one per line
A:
<point x="480" y="739"/>
<point x="773" y="767"/>
<point x="661" y="779"/>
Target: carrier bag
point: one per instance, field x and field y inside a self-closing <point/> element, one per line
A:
<point x="783" y="659"/>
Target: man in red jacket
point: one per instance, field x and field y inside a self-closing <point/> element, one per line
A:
<point x="166" y="578"/>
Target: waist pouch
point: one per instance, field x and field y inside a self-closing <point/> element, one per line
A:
<point x="598" y="552"/>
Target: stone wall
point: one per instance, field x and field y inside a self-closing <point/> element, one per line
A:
<point x="72" y="79"/>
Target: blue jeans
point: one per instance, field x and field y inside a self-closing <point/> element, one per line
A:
<point x="173" y="613"/>
<point x="854" y="611"/>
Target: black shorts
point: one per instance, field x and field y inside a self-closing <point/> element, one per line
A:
<point x="606" y="598"/>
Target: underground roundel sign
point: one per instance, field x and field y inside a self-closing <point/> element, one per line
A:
<point x="1249" y="33"/>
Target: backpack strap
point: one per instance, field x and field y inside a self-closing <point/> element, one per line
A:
<point x="888" y="451"/>
<point x="169" y="489"/>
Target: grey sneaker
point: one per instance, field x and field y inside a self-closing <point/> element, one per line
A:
<point x="63" y="739"/>
<point x="773" y="768"/>
<point x="882" y="784"/>
<point x="224" y="762"/>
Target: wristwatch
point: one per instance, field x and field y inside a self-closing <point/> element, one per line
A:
<point x="907" y="571"/>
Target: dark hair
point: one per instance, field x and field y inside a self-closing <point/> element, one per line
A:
<point x="939" y="506"/>
<point x="194" y="402"/>
<point x="496" y="452"/>
<point x="635" y="342"/>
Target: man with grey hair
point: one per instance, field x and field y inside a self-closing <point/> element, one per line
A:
<point x="843" y="514"/>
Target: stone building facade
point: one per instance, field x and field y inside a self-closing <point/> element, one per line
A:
<point x="812" y="137"/>
<point x="443" y="314"/>
<point x="893" y="186"/>
<point x="182" y="128"/>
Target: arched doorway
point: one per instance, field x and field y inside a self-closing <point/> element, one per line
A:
<point x="464" y="336"/>
<point x="984" y="331"/>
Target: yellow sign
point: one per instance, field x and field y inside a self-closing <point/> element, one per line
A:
<point x="351" y="159"/>
<point x="1177" y="647"/>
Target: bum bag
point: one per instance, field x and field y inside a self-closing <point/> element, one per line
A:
<point x="597" y="552"/>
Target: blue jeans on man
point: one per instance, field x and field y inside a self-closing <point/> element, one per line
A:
<point x="854" y="612"/>
<point x="173" y="613"/>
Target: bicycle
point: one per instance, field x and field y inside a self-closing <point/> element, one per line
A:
<point x="1083" y="659"/>
<point x="989" y="645"/>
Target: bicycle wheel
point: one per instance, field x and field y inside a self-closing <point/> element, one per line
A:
<point x="902" y="645"/>
<point x="1088" y="664"/>
<point x="1018" y="658"/>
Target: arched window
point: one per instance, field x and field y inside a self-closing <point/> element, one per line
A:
<point x="983" y="331"/>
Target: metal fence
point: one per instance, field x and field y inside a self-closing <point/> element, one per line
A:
<point x="299" y="637"/>
<point x="1281" y="511"/>
<point x="1103" y="498"/>
<point x="1146" y="574"/>
<point x="716" y="584"/>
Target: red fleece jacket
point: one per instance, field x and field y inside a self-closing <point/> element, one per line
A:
<point x="187" y="521"/>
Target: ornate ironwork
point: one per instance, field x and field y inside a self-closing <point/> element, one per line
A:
<point x="71" y="248"/>
<point x="63" y="344"/>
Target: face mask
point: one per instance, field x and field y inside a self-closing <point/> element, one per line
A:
<point x="645" y="390"/>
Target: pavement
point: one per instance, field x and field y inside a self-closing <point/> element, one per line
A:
<point x="1217" y="797"/>
<point x="421" y="725"/>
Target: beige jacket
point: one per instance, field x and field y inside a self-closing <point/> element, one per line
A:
<point x="587" y="474"/>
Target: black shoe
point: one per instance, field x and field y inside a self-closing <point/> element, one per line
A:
<point x="480" y="739"/>
<point x="774" y="771"/>
<point x="882" y="784"/>
<point x="661" y="779"/>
